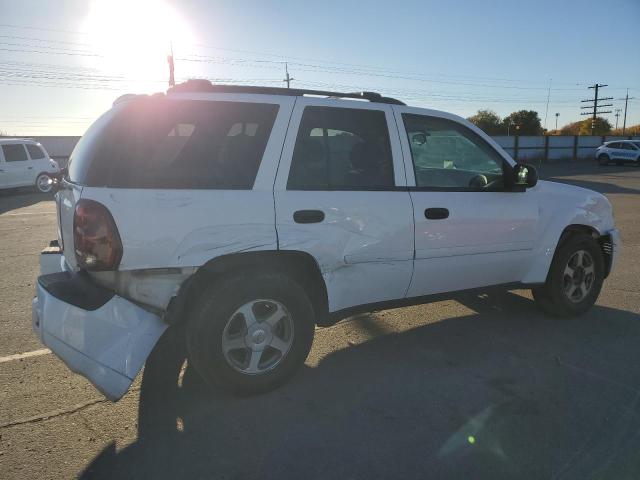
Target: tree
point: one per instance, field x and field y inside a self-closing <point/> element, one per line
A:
<point x="630" y="130"/>
<point x="528" y="121"/>
<point x="602" y="127"/>
<point x="487" y="121"/>
<point x="571" y="128"/>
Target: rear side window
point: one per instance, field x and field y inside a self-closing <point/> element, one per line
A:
<point x="341" y="149"/>
<point x="14" y="153"/>
<point x="35" y="152"/>
<point x="176" y="144"/>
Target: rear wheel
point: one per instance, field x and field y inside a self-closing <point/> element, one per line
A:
<point x="44" y="183"/>
<point x="575" y="278"/>
<point x="250" y="332"/>
<point x="603" y="159"/>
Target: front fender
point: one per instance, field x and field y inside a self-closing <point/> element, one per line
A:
<point x="561" y="206"/>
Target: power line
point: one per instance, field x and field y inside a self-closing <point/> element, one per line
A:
<point x="358" y="70"/>
<point x="263" y="54"/>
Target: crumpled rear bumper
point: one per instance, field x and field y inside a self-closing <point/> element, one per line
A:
<point x="98" y="334"/>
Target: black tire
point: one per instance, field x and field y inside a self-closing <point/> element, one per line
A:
<point x="551" y="296"/>
<point x="619" y="163"/>
<point x="44" y="183"/>
<point x="603" y="159"/>
<point x="213" y="310"/>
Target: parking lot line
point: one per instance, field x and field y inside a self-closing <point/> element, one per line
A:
<point x="18" y="356"/>
<point x="28" y="213"/>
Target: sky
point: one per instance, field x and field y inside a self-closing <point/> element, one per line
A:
<point x="63" y="63"/>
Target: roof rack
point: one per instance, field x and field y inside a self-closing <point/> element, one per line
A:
<point x="205" y="86"/>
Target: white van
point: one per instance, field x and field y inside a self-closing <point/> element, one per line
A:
<point x="24" y="163"/>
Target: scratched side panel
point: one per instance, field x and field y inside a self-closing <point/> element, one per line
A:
<point x="184" y="228"/>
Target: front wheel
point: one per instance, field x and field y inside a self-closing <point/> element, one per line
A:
<point x="250" y="332"/>
<point x="44" y="183"/>
<point x="603" y="159"/>
<point x="574" y="280"/>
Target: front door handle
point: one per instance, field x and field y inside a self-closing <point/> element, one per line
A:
<point x="436" y="213"/>
<point x="29" y="168"/>
<point x="308" y="216"/>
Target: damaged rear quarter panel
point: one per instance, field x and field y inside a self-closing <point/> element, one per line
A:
<point x="187" y="228"/>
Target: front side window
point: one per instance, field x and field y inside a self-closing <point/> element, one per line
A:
<point x="35" y="152"/>
<point x="613" y="145"/>
<point x="448" y="155"/>
<point x="341" y="149"/>
<point x="14" y="153"/>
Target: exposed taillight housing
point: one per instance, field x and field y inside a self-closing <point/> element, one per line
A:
<point x="96" y="239"/>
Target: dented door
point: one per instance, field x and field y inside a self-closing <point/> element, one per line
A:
<point x="358" y="224"/>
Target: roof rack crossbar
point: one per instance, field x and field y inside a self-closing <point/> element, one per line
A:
<point x="205" y="86"/>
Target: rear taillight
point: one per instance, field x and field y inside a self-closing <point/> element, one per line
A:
<point x="97" y="241"/>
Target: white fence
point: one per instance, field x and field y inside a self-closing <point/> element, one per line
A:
<point x="522" y="148"/>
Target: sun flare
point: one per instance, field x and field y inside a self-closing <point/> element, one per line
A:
<point x="132" y="39"/>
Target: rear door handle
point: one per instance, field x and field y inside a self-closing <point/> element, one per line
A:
<point x="436" y="213"/>
<point x="29" y="168"/>
<point x="308" y="216"/>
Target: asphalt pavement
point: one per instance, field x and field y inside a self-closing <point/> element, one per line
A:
<point x="480" y="386"/>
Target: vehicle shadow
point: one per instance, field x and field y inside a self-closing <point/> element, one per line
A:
<point x="12" y="199"/>
<point x="500" y="393"/>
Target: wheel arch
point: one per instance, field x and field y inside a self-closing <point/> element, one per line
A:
<point x="539" y="272"/>
<point x="298" y="265"/>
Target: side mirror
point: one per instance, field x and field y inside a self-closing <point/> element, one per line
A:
<point x="56" y="180"/>
<point x="419" y="138"/>
<point x="525" y="175"/>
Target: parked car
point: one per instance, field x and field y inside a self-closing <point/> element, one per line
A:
<point x="249" y="215"/>
<point x="26" y="163"/>
<point x="619" y="151"/>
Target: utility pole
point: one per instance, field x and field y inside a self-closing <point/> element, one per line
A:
<point x="546" y="111"/>
<point x="172" y="80"/>
<point x="618" y="110"/>
<point x="626" y="101"/>
<point x="557" y="115"/>
<point x="288" y="78"/>
<point x="594" y="108"/>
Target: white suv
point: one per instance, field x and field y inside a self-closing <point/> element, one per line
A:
<point x="26" y="163"/>
<point x="248" y="215"/>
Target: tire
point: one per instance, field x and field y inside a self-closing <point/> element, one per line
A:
<point x="565" y="295"/>
<point x="221" y="346"/>
<point x="44" y="183"/>
<point x="603" y="159"/>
